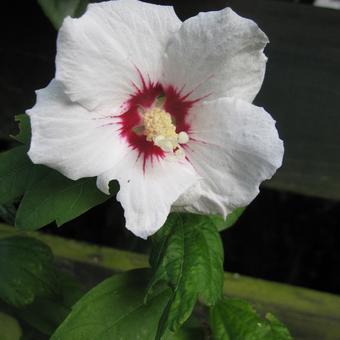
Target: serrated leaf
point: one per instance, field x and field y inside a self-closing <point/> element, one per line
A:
<point x="115" y="310"/>
<point x="235" y="319"/>
<point x="15" y="170"/>
<point x="24" y="125"/>
<point x="187" y="255"/>
<point x="231" y="219"/>
<point x="57" y="10"/>
<point x="52" y="197"/>
<point x="26" y="270"/>
<point x="10" y="328"/>
<point x="278" y="330"/>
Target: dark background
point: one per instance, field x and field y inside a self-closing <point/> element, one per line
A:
<point x="281" y="236"/>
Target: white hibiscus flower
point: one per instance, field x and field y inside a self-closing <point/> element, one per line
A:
<point x="160" y="105"/>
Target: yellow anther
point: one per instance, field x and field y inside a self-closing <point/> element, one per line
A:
<point x="159" y="128"/>
<point x="157" y="122"/>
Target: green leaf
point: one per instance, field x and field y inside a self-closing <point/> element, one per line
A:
<point x="115" y="310"/>
<point x="24" y="135"/>
<point x="48" y="195"/>
<point x="45" y="314"/>
<point x="278" y="330"/>
<point x="187" y="254"/>
<point x="52" y="197"/>
<point x="232" y="218"/>
<point x="10" y="328"/>
<point x="235" y="319"/>
<point x="7" y="213"/>
<point x="15" y="169"/>
<point x="57" y="10"/>
<point x="26" y="270"/>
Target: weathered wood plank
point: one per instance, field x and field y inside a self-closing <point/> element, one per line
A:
<point x="109" y="258"/>
<point x="309" y="314"/>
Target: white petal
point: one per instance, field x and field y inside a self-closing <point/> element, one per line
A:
<point x="234" y="146"/>
<point x="67" y="137"/>
<point x="217" y="54"/>
<point x="147" y="196"/>
<point x="99" y="54"/>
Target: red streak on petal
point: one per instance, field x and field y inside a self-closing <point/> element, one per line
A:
<point x="175" y="103"/>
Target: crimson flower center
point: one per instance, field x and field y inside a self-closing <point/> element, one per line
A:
<point x="154" y="121"/>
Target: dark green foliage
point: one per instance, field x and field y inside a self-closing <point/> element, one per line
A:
<point x="115" y="310"/>
<point x="26" y="270"/>
<point x="24" y="135"/>
<point x="235" y="319"/>
<point x="188" y="256"/>
<point x="49" y="196"/>
<point x="15" y="170"/>
<point x="45" y="314"/>
<point x="31" y="288"/>
<point x="57" y="10"/>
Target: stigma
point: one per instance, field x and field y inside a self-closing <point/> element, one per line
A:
<point x="160" y="129"/>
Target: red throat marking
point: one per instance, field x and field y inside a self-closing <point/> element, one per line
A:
<point x="175" y="104"/>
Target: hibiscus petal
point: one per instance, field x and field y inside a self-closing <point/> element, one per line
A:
<point x="147" y="196"/>
<point x="67" y="137"/>
<point x="217" y="54"/>
<point x="234" y="146"/>
<point x="101" y="54"/>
